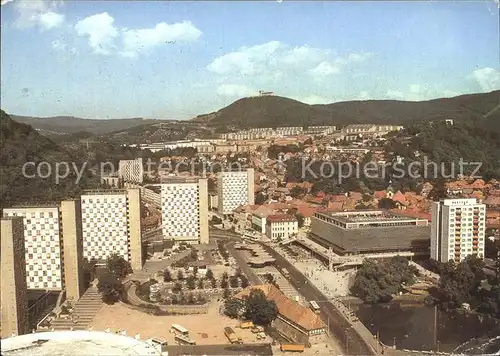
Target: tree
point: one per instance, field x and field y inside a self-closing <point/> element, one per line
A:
<point x="190" y="299"/>
<point x="244" y="281"/>
<point x="191" y="282"/>
<point x="167" y="276"/>
<point x="200" y="284"/>
<point x="300" y="219"/>
<point x="259" y="309"/>
<point x="226" y="294"/>
<point x="118" y="266"/>
<point x="194" y="254"/>
<point x="298" y="192"/>
<point x="180" y="275"/>
<point x="225" y="276"/>
<point x="174" y="300"/>
<point x="223" y="283"/>
<point x="213" y="282"/>
<point x="386" y="203"/>
<point x="110" y="288"/>
<point x="233" y="282"/>
<point x="209" y="274"/>
<point x="378" y="281"/>
<point x="234" y="308"/>
<point x="177" y="287"/>
<point x="238" y="272"/>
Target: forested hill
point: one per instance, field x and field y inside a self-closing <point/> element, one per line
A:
<point x="19" y="144"/>
<point x="274" y="111"/>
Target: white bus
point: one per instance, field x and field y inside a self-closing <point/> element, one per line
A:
<point x="177" y="329"/>
<point x="315" y="306"/>
<point x="184" y="340"/>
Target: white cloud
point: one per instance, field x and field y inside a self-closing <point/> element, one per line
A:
<point x="314" y="100"/>
<point x="51" y="19"/>
<point x="274" y="60"/>
<point x="364" y="95"/>
<point x="328" y="68"/>
<point x="100" y="30"/>
<point x="135" y="41"/>
<point x="248" y="60"/>
<point x="324" y="69"/>
<point x="488" y="78"/>
<point x="62" y="46"/>
<point x="417" y="92"/>
<point x="107" y="38"/>
<point x="40" y="13"/>
<point x="3" y="2"/>
<point x="235" y="90"/>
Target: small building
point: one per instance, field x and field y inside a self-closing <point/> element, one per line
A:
<point x="281" y="226"/>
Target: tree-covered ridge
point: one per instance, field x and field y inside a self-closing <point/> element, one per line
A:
<point x="471" y="140"/>
<point x="19" y="144"/>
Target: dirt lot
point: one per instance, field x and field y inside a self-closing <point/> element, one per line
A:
<point x="205" y="329"/>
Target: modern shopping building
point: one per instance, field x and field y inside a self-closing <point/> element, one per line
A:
<point x="184" y="209"/>
<point x="458" y="229"/>
<point x="235" y="188"/>
<point x="131" y="170"/>
<point x="53" y="246"/>
<point x="370" y="231"/>
<point x="111" y="224"/>
<point x="14" y="302"/>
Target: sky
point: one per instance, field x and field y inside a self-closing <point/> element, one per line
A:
<point x="176" y="60"/>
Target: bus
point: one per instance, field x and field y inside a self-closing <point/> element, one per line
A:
<point x="315" y="307"/>
<point x="291" y="348"/>
<point x="177" y="329"/>
<point x="184" y="340"/>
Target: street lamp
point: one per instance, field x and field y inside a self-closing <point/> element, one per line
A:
<point x="346" y="341"/>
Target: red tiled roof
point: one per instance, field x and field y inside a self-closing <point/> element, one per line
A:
<point x="306" y="211"/>
<point x="413" y="214"/>
<point x="281" y="218"/>
<point x="338" y="198"/>
<point x="380" y="194"/>
<point x="288" y="308"/>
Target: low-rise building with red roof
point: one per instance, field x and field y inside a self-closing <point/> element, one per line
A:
<point x="296" y="322"/>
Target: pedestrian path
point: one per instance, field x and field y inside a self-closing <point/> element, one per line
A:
<point x="83" y="312"/>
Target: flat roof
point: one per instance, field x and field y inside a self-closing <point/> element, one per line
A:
<point x="377" y="216"/>
<point x="75" y="343"/>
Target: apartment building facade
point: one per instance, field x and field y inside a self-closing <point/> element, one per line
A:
<point x="14" y="302"/>
<point x="184" y="210"/>
<point x="111" y="224"/>
<point x="53" y="246"/>
<point x="458" y="229"/>
<point x="235" y="189"/>
<point x="131" y="170"/>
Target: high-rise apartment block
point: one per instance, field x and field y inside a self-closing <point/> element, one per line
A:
<point x="14" y="302"/>
<point x="53" y="246"/>
<point x="184" y="209"/>
<point x="235" y="189"/>
<point x="111" y="224"/>
<point x="131" y="170"/>
<point x="457" y="230"/>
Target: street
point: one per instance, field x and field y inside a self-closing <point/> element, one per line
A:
<point x="247" y="271"/>
<point x="347" y="336"/>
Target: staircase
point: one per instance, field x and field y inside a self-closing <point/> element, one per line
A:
<point x="83" y="313"/>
